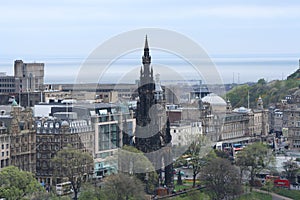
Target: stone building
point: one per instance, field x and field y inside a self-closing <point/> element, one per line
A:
<point x="291" y="120"/>
<point x="22" y="139"/>
<point x="98" y="128"/>
<point x="7" y="84"/>
<point x="104" y="92"/>
<point x="30" y="76"/>
<point x="54" y="134"/>
<point x="221" y="123"/>
<point x="4" y="140"/>
<point x="152" y="135"/>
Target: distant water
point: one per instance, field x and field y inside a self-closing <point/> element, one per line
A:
<point x="232" y="68"/>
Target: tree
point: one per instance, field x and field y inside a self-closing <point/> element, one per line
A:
<point x="221" y="178"/>
<point x="48" y="196"/>
<point x="16" y="184"/>
<point x="114" y="187"/>
<point x="254" y="158"/>
<point x="91" y="192"/>
<point x="291" y="168"/>
<point x="199" y="148"/>
<point x="133" y="162"/>
<point x="74" y="165"/>
<point x="123" y="187"/>
<point x="269" y="185"/>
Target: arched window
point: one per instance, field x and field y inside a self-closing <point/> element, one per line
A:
<point x="2" y="124"/>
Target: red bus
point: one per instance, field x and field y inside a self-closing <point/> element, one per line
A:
<point x="278" y="181"/>
<point x="282" y="183"/>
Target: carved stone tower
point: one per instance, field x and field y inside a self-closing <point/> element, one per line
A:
<point x="152" y="134"/>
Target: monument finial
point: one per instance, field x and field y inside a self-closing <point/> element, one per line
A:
<point x="146" y="43"/>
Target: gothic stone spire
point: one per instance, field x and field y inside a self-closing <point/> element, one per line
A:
<point x="146" y="57"/>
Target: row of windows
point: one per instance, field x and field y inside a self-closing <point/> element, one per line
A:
<point x="7" y="90"/>
<point x="296" y="142"/>
<point x="7" y="85"/>
<point x="235" y="126"/>
<point x="3" y="146"/>
<point x="233" y="135"/>
<point x="58" y="139"/>
<point x="3" y="153"/>
<point x="233" y="118"/>
<point x="104" y="155"/>
<point x="297" y="133"/>
<point x="2" y="80"/>
<point x="4" y="163"/>
<point x="4" y="139"/>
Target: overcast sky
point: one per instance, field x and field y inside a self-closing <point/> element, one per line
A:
<point x="35" y="29"/>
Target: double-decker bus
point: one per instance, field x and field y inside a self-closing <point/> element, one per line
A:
<point x="64" y="188"/>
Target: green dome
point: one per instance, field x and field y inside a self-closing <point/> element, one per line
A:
<point x="14" y="103"/>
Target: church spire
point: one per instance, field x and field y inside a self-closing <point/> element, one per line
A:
<point x="146" y="57"/>
<point x="146" y="43"/>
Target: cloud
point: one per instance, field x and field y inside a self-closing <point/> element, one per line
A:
<point x="126" y="12"/>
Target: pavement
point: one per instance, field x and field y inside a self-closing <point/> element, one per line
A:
<point x="274" y="195"/>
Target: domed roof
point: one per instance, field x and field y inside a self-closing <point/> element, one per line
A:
<point x="214" y="99"/>
<point x="65" y="123"/>
<point x="242" y="110"/>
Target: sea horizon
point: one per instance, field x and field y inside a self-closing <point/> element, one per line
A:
<point x="232" y="68"/>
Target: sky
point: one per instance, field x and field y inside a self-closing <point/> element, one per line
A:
<point x="54" y="31"/>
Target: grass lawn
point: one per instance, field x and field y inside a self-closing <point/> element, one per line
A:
<point x="255" y="196"/>
<point x="203" y="196"/>
<point x="191" y="196"/>
<point x="293" y="194"/>
<point x="187" y="185"/>
<point x="182" y="187"/>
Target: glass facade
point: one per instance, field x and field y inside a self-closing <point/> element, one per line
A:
<point x="109" y="136"/>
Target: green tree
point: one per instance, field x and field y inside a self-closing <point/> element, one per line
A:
<point x="254" y="158"/>
<point x="271" y="92"/>
<point x="91" y="192"/>
<point x="221" y="179"/>
<point x="291" y="168"/>
<point x="134" y="162"/>
<point x="16" y="184"/>
<point x="48" y="196"/>
<point x="123" y="187"/>
<point x="74" y="165"/>
<point x="269" y="185"/>
<point x="198" y="149"/>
